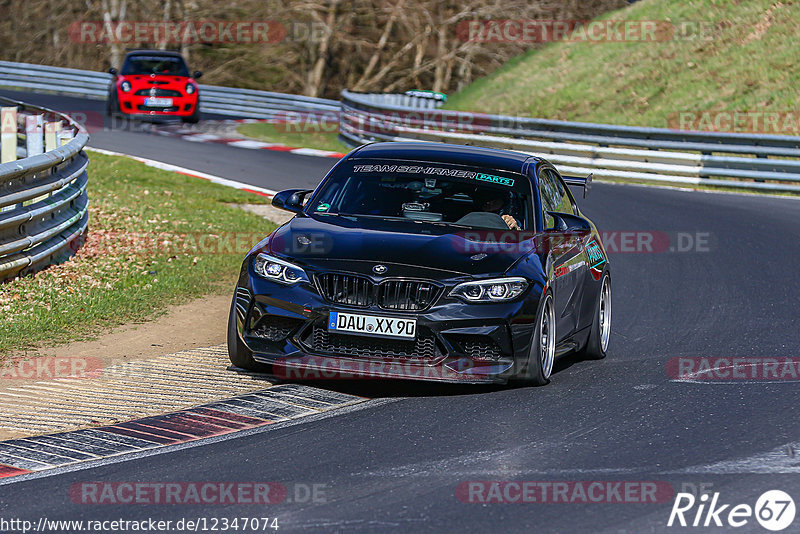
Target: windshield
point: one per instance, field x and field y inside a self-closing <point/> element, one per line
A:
<point x="155" y="65"/>
<point x="427" y="192"/>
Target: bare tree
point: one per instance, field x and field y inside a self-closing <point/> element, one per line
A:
<point x="330" y="45"/>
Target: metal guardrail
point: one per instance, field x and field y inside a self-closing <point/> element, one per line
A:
<point x="743" y="161"/>
<point x="213" y="99"/>
<point x="43" y="199"/>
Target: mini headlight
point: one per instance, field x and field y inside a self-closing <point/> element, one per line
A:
<point x="278" y="270"/>
<point x="125" y="86"/>
<point x="494" y="290"/>
<point x="189" y="88"/>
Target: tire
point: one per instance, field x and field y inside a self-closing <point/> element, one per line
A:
<point x="597" y="345"/>
<point x="194" y="118"/>
<point x="539" y="366"/>
<point x="111" y="105"/>
<point x="238" y="353"/>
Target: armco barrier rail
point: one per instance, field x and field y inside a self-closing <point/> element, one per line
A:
<point x="744" y="161"/>
<point x="43" y="199"/>
<point x="246" y="103"/>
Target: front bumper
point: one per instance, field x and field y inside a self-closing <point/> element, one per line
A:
<point x="134" y="106"/>
<point x="455" y="341"/>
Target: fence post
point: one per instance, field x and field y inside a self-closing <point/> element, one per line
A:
<point x="33" y="134"/>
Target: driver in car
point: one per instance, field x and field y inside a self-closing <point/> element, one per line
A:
<point x="493" y="202"/>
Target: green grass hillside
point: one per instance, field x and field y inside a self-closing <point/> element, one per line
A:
<point x="745" y="60"/>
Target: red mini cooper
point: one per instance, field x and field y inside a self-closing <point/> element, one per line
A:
<point x="154" y="84"/>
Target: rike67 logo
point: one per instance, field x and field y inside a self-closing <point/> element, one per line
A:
<point x="774" y="510"/>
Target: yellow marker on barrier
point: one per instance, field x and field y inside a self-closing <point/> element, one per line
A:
<point x="51" y="130"/>
<point x="8" y="134"/>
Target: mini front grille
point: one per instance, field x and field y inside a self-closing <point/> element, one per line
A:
<point x="399" y="295"/>
<point x="157" y="92"/>
<point x="157" y="108"/>
<point x="422" y="348"/>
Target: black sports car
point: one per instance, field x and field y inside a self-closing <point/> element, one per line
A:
<point x="425" y="261"/>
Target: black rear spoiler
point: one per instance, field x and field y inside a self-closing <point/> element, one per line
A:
<point x="586" y="183"/>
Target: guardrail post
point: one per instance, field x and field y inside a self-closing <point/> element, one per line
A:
<point x="8" y="134"/>
<point x="34" y="132"/>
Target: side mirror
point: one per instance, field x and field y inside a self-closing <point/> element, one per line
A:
<point x="290" y="199"/>
<point x="565" y="222"/>
<point x="113" y="71"/>
<point x="196" y="74"/>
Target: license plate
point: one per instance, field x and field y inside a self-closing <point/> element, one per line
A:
<point x="158" y="102"/>
<point x="352" y="323"/>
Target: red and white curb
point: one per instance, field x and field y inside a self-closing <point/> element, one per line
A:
<point x="189" y="172"/>
<point x="243" y="412"/>
<point x="239" y="142"/>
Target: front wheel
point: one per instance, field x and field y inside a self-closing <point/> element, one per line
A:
<point x="238" y="353"/>
<point x="600" y="333"/>
<point x="194" y="118"/>
<point x="542" y="353"/>
<point x="112" y="106"/>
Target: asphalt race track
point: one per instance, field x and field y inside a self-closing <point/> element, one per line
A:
<point x="397" y="462"/>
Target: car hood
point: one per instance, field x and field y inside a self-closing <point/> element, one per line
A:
<point x="357" y="244"/>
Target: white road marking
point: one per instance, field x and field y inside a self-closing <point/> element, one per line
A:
<point x="182" y="170"/>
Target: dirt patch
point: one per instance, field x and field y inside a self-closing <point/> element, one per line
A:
<point x="199" y="323"/>
<point x="269" y="212"/>
<point x="761" y="27"/>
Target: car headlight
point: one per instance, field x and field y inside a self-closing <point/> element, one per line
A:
<point x="278" y="270"/>
<point x="494" y="290"/>
<point x="190" y="88"/>
<point x="125" y="86"/>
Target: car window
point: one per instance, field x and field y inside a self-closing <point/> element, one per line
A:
<point x="549" y="197"/>
<point x="426" y="192"/>
<point x="555" y="196"/>
<point x="565" y="202"/>
<point x="140" y="64"/>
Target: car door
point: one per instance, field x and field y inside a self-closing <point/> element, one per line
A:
<point x="569" y="258"/>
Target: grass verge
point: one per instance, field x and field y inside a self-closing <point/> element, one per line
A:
<point x="270" y="133"/>
<point x="155" y="238"/>
<point x="731" y="56"/>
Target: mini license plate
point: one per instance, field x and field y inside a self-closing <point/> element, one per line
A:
<point x="158" y="102"/>
<point x="371" y="325"/>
